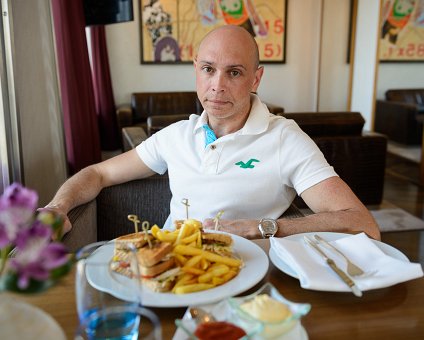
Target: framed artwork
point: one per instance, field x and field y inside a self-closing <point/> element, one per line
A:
<point x="171" y="30"/>
<point x="352" y="15"/>
<point x="401" y="31"/>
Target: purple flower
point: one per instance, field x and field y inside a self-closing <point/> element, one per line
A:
<point x="18" y="196"/>
<point x="38" y="267"/>
<point x="36" y="256"/>
<point x="17" y="205"/>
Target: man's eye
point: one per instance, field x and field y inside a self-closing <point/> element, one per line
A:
<point x="234" y="73"/>
<point x="207" y="69"/>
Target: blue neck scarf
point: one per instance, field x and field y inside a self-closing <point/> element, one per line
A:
<point x="209" y="135"/>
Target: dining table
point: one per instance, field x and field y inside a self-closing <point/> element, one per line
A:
<point x="395" y="312"/>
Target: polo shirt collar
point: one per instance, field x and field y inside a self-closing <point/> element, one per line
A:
<point x="258" y="120"/>
<point x="256" y="123"/>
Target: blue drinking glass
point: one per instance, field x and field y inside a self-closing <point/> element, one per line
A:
<point x="105" y="308"/>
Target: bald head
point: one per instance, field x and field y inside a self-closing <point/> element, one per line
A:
<point x="234" y="37"/>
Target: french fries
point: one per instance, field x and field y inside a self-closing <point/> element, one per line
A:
<point x="200" y="269"/>
<point x="187" y="250"/>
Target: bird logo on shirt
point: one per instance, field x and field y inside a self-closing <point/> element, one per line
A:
<point x="248" y="164"/>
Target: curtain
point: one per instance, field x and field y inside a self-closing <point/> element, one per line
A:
<point x="79" y="114"/>
<point x="105" y="104"/>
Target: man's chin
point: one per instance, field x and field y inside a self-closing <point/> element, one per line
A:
<point x="218" y="109"/>
<point x="217" y="112"/>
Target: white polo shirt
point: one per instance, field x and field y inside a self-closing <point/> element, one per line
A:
<point x="250" y="174"/>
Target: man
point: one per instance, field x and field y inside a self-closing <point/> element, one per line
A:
<point x="236" y="157"/>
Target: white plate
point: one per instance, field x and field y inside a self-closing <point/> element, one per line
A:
<point x="221" y="310"/>
<point x="284" y="267"/>
<point x="20" y="320"/>
<point x="255" y="267"/>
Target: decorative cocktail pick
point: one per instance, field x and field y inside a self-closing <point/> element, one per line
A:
<point x="135" y="220"/>
<point x="146" y="226"/>
<point x="217" y="218"/>
<point x="185" y="202"/>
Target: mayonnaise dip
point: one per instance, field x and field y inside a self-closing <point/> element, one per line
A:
<point x="266" y="309"/>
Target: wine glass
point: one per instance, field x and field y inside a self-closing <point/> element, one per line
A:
<point x="112" y="310"/>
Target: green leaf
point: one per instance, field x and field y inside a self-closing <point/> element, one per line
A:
<point x="10" y="283"/>
<point x="58" y="272"/>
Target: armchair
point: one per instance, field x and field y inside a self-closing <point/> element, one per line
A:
<point x="400" y="116"/>
<point x="105" y="218"/>
<point x="358" y="157"/>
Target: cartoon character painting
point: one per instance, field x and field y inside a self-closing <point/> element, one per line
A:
<point x="159" y="25"/>
<point x="398" y="15"/>
<point x="234" y="12"/>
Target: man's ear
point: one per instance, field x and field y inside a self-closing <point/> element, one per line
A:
<point x="258" y="76"/>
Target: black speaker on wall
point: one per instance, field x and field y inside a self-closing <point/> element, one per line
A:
<point x="105" y="12"/>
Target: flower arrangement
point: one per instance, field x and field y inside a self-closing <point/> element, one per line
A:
<point x="30" y="261"/>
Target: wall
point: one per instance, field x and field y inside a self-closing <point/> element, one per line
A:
<point x="399" y="76"/>
<point x="42" y="143"/>
<point x="334" y="68"/>
<point x="292" y="85"/>
<point x="364" y="62"/>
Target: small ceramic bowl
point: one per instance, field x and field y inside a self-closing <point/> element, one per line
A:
<point x="222" y="312"/>
<point x="271" y="329"/>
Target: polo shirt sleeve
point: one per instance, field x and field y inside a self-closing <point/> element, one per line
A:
<point x="151" y="150"/>
<point x="302" y="161"/>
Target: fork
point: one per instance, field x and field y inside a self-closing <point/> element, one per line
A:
<point x="352" y="269"/>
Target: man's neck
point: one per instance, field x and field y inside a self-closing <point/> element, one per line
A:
<point x="222" y="127"/>
<point x="226" y="126"/>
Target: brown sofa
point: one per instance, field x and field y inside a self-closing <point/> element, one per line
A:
<point x="358" y="157"/>
<point x="400" y="116"/>
<point x="105" y="217"/>
<point x="145" y="104"/>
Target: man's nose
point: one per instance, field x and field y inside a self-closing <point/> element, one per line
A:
<point x="218" y="82"/>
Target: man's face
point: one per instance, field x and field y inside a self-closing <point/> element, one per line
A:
<point x="226" y="74"/>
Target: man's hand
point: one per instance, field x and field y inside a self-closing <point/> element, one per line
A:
<point x="67" y="226"/>
<point x="244" y="228"/>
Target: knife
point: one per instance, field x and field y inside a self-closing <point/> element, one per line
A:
<point x="346" y="279"/>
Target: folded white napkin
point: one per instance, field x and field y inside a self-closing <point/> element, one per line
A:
<point x="314" y="273"/>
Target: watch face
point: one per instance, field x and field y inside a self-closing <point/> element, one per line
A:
<point x="268" y="227"/>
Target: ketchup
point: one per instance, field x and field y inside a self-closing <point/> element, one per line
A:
<point x="219" y="329"/>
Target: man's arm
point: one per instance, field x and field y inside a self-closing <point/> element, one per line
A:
<point x="85" y="185"/>
<point x="336" y="208"/>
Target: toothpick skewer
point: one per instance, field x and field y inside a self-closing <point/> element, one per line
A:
<point x="217" y="218"/>
<point x="185" y="202"/>
<point x="146" y="226"/>
<point x="135" y="220"/>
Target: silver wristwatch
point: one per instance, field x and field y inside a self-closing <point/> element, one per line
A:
<point x="268" y="227"/>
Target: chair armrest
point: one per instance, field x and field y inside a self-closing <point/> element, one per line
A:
<point x="132" y="136"/>
<point x="124" y="116"/>
<point x="292" y="212"/>
<point x="84" y="226"/>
